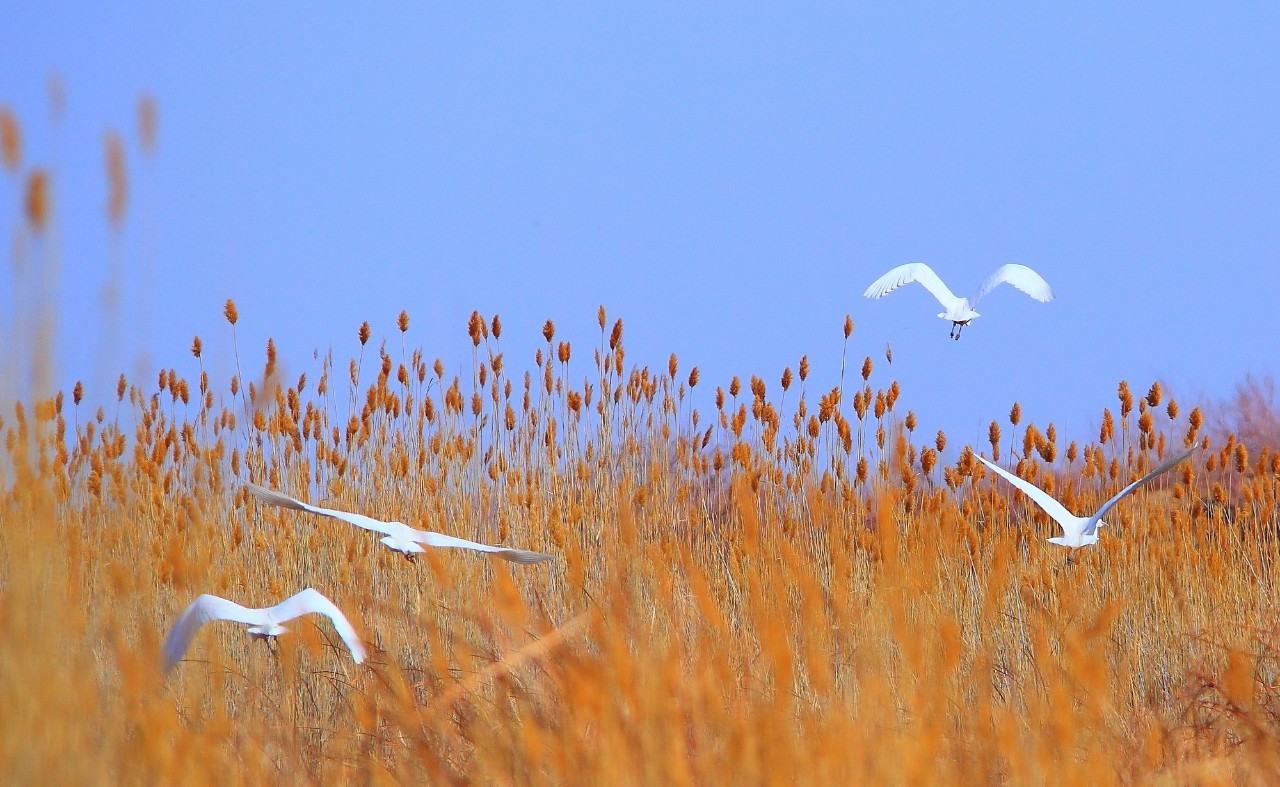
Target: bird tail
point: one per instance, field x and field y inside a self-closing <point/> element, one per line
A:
<point x="274" y="498"/>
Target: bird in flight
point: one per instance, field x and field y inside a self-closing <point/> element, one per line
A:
<point x="960" y="311"/>
<point x="263" y="624"/>
<point x="1078" y="531"/>
<point x="397" y="535"/>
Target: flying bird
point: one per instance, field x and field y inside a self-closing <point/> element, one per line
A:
<point x="1078" y="531"/>
<point x="960" y="310"/>
<point x="398" y="535"/>
<point x="263" y="623"/>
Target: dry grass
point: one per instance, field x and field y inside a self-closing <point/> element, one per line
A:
<point x="730" y="602"/>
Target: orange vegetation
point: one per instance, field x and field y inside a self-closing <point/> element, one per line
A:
<point x="784" y="587"/>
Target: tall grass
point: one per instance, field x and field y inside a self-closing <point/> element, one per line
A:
<point x="733" y="601"/>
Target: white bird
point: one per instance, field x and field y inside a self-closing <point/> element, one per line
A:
<point x="1078" y="531"/>
<point x="960" y="310"/>
<point x="398" y="535"/>
<point x="263" y="623"/>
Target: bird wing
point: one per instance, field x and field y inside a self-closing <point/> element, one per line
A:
<point x="905" y="274"/>
<point x="1019" y="276"/>
<point x="201" y="611"/>
<point x="433" y="539"/>
<point x="312" y="600"/>
<point x="284" y="501"/>
<point x="1164" y="467"/>
<point x="1051" y="507"/>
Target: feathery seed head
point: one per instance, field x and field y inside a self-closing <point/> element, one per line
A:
<point x="848" y="326"/>
<point x="1126" y="399"/>
<point x="148" y="123"/>
<point x="38" y="202"/>
<point x="402" y="322"/>
<point x="10" y="140"/>
<point x="548" y="330"/>
<point x="229" y="311"/>
<point x="1154" y="395"/>
<point x="861" y="403"/>
<point x="825" y="408"/>
<point x="117" y="181"/>
<point x="1145" y="423"/>
<point x="866" y="369"/>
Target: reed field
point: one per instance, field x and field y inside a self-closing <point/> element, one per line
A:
<point x="769" y="580"/>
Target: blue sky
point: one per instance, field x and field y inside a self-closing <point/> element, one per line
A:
<point x="727" y="180"/>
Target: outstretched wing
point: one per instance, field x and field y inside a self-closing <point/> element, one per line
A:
<point x="284" y="501"/>
<point x="452" y="542"/>
<point x="200" y="612"/>
<point x="1020" y="277"/>
<point x="905" y="274"/>
<point x="1042" y="498"/>
<point x="1163" y="468"/>
<point x="312" y="600"/>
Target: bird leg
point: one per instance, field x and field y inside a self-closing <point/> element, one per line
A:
<point x="409" y="556"/>
<point x="267" y="639"/>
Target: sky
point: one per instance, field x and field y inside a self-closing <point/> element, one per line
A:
<point x="727" y="180"/>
